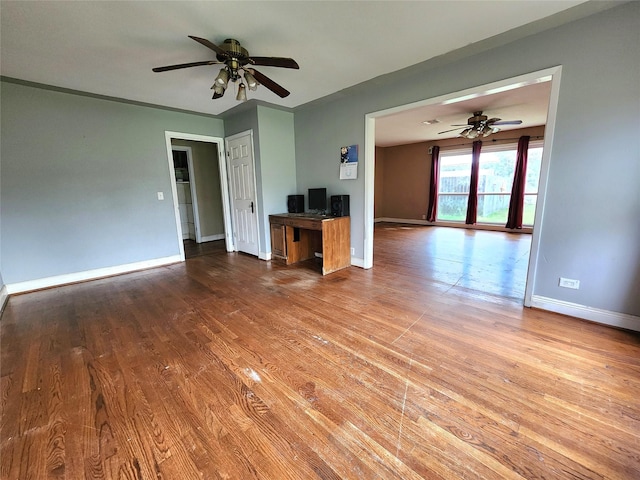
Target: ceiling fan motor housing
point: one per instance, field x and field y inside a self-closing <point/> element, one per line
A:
<point x="236" y="57"/>
<point x="477" y="118"/>
<point x="235" y="51"/>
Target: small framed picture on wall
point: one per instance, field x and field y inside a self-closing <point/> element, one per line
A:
<point x="349" y="162"/>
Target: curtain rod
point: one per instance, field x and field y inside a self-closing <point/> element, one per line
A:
<point x="493" y="140"/>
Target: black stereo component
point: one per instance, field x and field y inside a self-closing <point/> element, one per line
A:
<point x="339" y="205"/>
<point x="295" y="203"/>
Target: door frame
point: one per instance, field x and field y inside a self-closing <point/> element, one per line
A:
<point x="224" y="185"/>
<point x="370" y="147"/>
<point x="192" y="188"/>
<point x="255" y="184"/>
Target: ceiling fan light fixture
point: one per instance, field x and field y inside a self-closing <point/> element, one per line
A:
<point x="242" y="93"/>
<point x="480" y="125"/>
<point x="469" y="132"/>
<point x="490" y="130"/>
<point x="223" y="78"/>
<point x="252" y="83"/>
<point x="219" y="89"/>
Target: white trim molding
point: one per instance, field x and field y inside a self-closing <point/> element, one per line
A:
<point x="4" y="296"/>
<point x="264" y="256"/>
<point x="169" y="135"/>
<point x="58" y="280"/>
<point x="475" y="226"/>
<point x="607" y="317"/>
<point x="357" y="262"/>
<point x="212" y="238"/>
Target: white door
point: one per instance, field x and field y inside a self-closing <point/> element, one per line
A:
<point x="243" y="193"/>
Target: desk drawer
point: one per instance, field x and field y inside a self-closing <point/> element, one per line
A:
<point x="305" y="223"/>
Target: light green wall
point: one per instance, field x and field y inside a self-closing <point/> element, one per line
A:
<point x="80" y="177"/>
<point x="278" y="163"/>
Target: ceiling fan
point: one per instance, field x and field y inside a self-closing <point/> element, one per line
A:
<point x="480" y="125"/>
<point x="237" y="64"/>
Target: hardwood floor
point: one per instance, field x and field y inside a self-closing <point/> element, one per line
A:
<point x="227" y="367"/>
<point x="193" y="249"/>
<point x="481" y="261"/>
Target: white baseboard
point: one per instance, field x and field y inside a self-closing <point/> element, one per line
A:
<point x="607" y="317"/>
<point x="357" y="262"/>
<point x="477" y="226"/>
<point x="57" y="280"/>
<point x="4" y="296"/>
<point x="264" y="256"/>
<point x="211" y="238"/>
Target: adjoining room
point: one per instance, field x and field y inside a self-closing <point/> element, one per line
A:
<point x="424" y="172"/>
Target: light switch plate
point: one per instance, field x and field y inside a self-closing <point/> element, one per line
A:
<point x="569" y="283"/>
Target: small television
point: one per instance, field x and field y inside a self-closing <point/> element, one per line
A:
<point x="318" y="200"/>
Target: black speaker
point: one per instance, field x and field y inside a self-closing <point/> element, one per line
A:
<point x="339" y="205"/>
<point x="295" y="203"/>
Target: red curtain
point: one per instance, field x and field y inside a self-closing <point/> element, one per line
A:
<point x="516" y="204"/>
<point x="472" y="203"/>
<point x="433" y="186"/>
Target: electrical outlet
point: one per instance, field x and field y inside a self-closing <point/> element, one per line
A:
<point x="160" y="195"/>
<point x="424" y="217"/>
<point x="353" y="251"/>
<point x="569" y="283"/>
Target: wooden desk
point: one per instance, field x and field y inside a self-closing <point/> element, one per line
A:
<point x="296" y="237"/>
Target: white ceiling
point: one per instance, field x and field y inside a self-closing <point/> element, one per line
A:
<point x="528" y="103"/>
<point x="109" y="48"/>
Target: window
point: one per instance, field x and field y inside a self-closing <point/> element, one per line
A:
<point x="453" y="188"/>
<point x="497" y="166"/>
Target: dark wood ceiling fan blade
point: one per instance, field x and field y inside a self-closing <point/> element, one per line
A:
<point x="184" y="65"/>
<point x="508" y="122"/>
<point x="208" y="44"/>
<point x="274" y="62"/>
<point x="270" y="84"/>
<point x="446" y="131"/>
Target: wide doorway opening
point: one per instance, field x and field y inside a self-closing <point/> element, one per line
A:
<point x="397" y="196"/>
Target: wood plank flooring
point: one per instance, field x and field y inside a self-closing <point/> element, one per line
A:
<point x="476" y="260"/>
<point x="228" y="367"/>
<point x="193" y="249"/>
